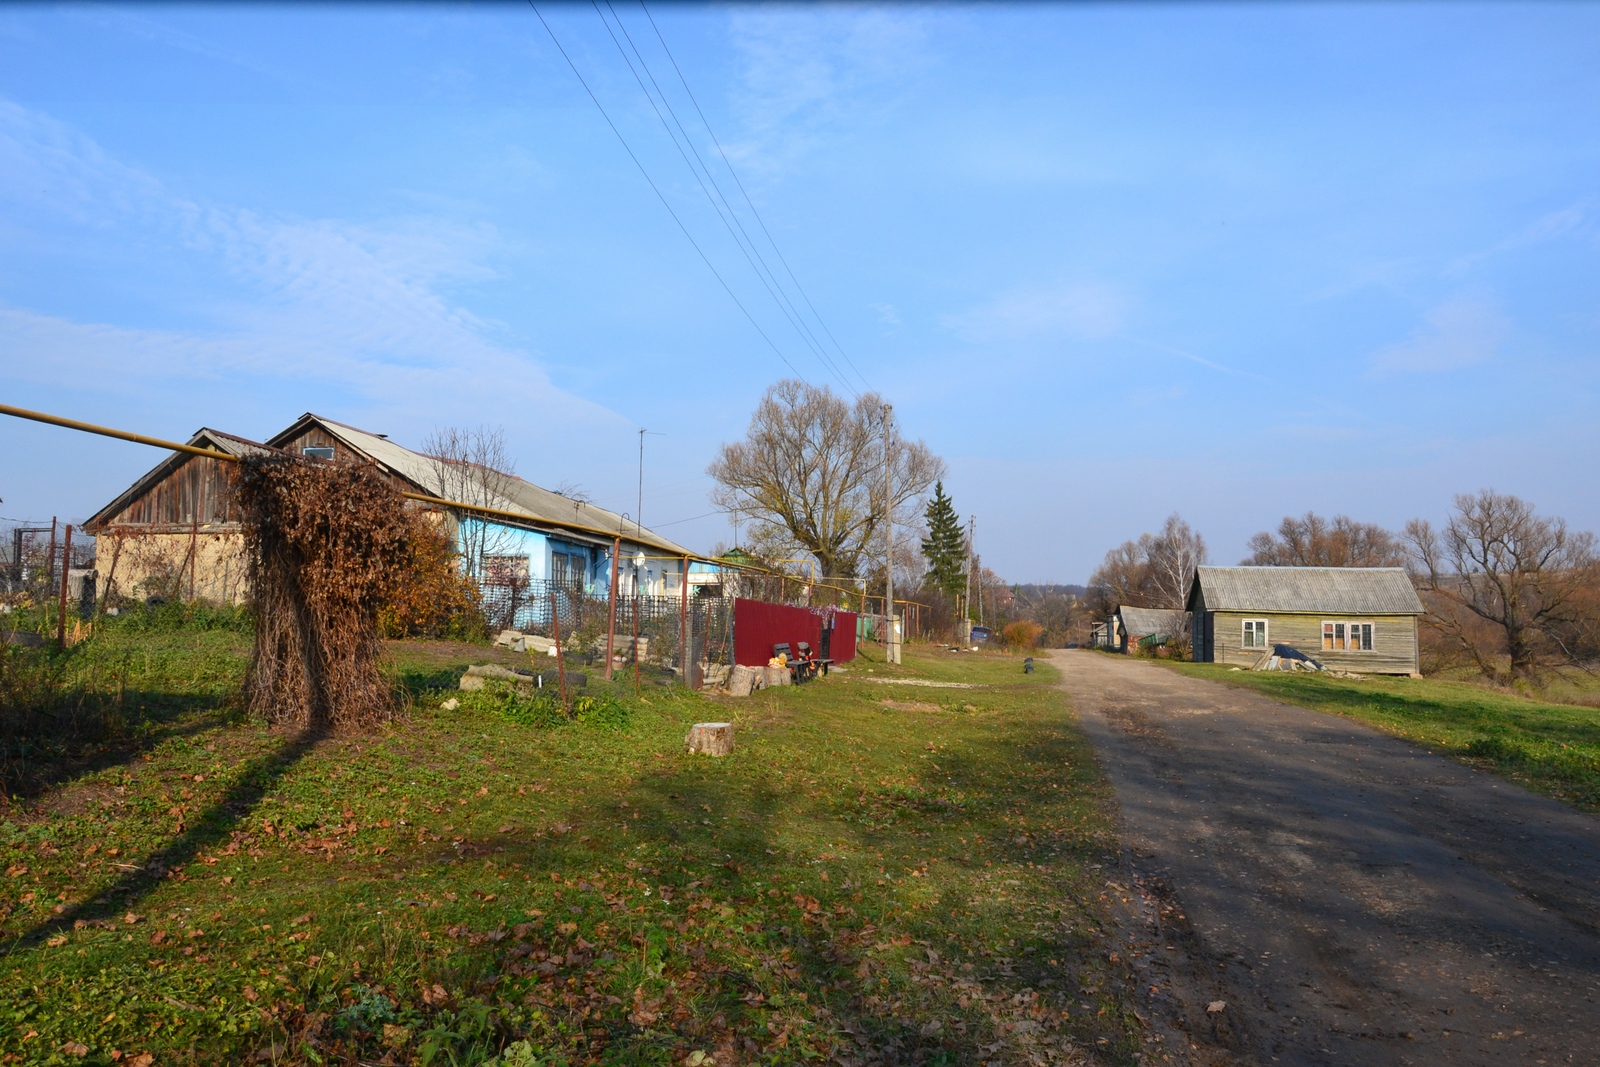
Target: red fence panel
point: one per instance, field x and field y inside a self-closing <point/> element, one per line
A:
<point x="757" y="626"/>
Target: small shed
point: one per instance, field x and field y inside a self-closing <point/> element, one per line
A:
<point x="1352" y="618"/>
<point x="175" y="532"/>
<point x="1149" y="626"/>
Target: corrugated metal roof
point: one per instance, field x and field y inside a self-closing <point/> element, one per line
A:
<point x="1334" y="590"/>
<point x="540" y="505"/>
<point x="1152" y="622"/>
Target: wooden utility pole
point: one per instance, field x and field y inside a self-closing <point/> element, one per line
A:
<point x="611" y="622"/>
<point x="891" y="646"/>
<point x="61" y="611"/>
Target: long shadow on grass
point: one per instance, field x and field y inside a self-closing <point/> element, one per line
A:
<point x="213" y="826"/>
<point x="35" y="761"/>
<point x="721" y="823"/>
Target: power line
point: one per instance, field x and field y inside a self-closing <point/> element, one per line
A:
<point x="625" y="146"/>
<point x="724" y="211"/>
<point x="735" y="175"/>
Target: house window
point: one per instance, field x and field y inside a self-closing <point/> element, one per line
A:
<point x="568" y="569"/>
<point x="509" y="571"/>
<point x="1347" y="637"/>
<point x="317" y="451"/>
<point x="1255" y="633"/>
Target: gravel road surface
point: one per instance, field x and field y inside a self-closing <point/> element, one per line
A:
<point x="1349" y="897"/>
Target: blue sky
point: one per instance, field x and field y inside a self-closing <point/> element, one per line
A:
<point x="1236" y="261"/>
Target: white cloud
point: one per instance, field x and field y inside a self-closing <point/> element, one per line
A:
<point x="1464" y="332"/>
<point x="319" y="302"/>
<point x="806" y="68"/>
<point x="1059" y="311"/>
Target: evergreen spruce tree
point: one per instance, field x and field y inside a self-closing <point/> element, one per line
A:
<point x="946" y="544"/>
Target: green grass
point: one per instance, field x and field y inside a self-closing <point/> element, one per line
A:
<point x="916" y="883"/>
<point x="1551" y="748"/>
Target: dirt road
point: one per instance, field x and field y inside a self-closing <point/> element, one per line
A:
<point x="1352" y="898"/>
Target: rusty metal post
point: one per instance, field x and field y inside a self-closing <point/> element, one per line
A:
<point x="611" y="622"/>
<point x="194" y="549"/>
<point x="66" y="567"/>
<point x="561" y="658"/>
<point x="683" y="624"/>
<point x="50" y="559"/>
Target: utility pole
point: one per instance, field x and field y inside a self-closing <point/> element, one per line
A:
<point x="638" y="514"/>
<point x="891" y="642"/>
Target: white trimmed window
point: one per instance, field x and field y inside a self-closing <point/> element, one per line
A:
<point x="1255" y="633"/>
<point x="1347" y="637"/>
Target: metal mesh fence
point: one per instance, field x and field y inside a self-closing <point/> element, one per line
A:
<point x="31" y="558"/>
<point x="648" y="631"/>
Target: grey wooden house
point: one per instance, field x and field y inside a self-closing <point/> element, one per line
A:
<point x="1351" y="618"/>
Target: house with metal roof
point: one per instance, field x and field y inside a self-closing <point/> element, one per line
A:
<point x="526" y="538"/>
<point x="1351" y="618"/>
<point x="1147" y="627"/>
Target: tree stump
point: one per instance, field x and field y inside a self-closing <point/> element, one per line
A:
<point x="772" y="676"/>
<point x="742" y="680"/>
<point x="711" y="738"/>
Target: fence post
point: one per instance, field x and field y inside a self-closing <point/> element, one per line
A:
<point x="66" y="568"/>
<point x="50" y="559"/>
<point x="636" y="642"/>
<point x="683" y="624"/>
<point x="561" y="659"/>
<point x="611" y="621"/>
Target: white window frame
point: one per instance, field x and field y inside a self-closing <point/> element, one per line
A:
<point x="1256" y="628"/>
<point x="1337" y="635"/>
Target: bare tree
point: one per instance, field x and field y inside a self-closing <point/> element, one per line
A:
<point x="473" y="465"/>
<point x="809" y="474"/>
<point x="1123" y="577"/>
<point x="1173" y="555"/>
<point x="1313" y="541"/>
<point x="1527" y="576"/>
<point x="1152" y="572"/>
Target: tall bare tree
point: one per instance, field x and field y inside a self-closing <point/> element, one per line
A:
<point x="809" y="473"/>
<point x="1313" y="541"/>
<point x="1152" y="572"/>
<point x="1173" y="555"/>
<point x="473" y="465"/>
<point x="1529" y="577"/>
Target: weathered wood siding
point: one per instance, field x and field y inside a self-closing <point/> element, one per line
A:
<point x="200" y="489"/>
<point x="316" y="437"/>
<point x="1394" y="640"/>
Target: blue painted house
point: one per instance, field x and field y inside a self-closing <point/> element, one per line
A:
<point x="539" y="538"/>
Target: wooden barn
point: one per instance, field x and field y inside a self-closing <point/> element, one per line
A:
<point x="1350" y="618"/>
<point x="1148" y="627"/>
<point x="175" y="533"/>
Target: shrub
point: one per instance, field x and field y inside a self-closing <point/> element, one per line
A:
<point x="1024" y="634"/>
<point x="430" y="596"/>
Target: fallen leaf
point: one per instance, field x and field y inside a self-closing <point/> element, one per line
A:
<point x="57" y="941"/>
<point x="158" y="937"/>
<point x="75" y="1048"/>
<point x="303" y="919"/>
<point x="143" y="1059"/>
<point x="250" y="994"/>
<point x="16" y="870"/>
<point x="131" y="918"/>
<point x="1216" y="1006"/>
